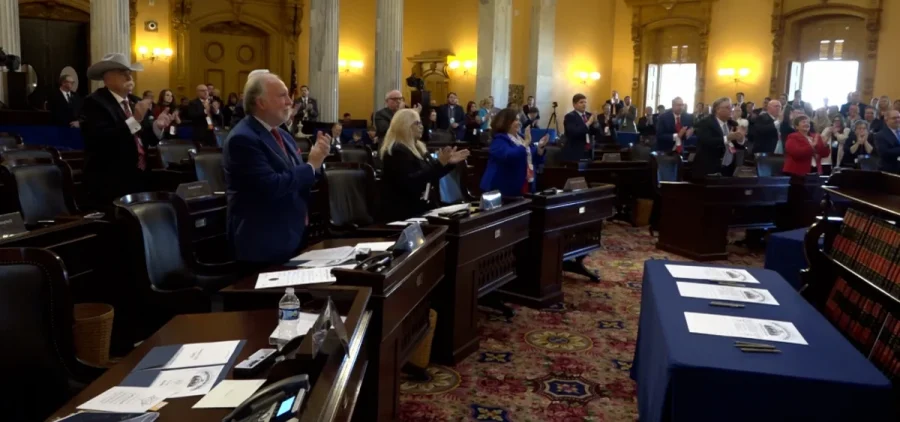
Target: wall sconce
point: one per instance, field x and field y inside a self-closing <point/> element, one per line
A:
<point x="154" y="55"/>
<point x="467" y="66"/>
<point x="584" y="76"/>
<point x="737" y="74"/>
<point x="347" y="65"/>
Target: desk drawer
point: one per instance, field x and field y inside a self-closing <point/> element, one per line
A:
<point x="491" y="237"/>
<point x="576" y="213"/>
<point x="405" y="302"/>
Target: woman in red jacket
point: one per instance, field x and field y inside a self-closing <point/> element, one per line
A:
<point x="804" y="150"/>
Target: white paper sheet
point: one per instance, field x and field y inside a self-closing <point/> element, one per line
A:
<point x="297" y="277"/>
<point x="343" y="252"/>
<point x="757" y="329"/>
<point x="187" y="382"/>
<point x="408" y="221"/>
<point x="202" y="354"/>
<point x="229" y="394"/>
<point x="449" y="208"/>
<point x="375" y="246"/>
<point x="735" y="294"/>
<point x="711" y="273"/>
<point x="126" y="400"/>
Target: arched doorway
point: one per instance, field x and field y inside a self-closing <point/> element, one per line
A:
<point x="225" y="53"/>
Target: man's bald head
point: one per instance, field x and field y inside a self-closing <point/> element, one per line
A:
<point x="393" y="100"/>
<point x="677" y="105"/>
<point x="202" y="92"/>
<point x="774" y="109"/>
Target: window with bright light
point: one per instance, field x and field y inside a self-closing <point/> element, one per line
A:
<point x="678" y="80"/>
<point x="838" y="52"/>
<point x="824" y="49"/>
<point x="674" y="56"/>
<point x="827" y="79"/>
<point x="683" y="55"/>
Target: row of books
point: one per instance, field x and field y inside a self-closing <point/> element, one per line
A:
<point x="870" y="246"/>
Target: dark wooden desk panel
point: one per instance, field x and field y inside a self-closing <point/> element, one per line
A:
<point x="695" y="217"/>
<point x="399" y="307"/>
<point x="482" y="255"/>
<point x="208" y="215"/>
<point x="564" y="226"/>
<point x="337" y="385"/>
<point x="632" y="179"/>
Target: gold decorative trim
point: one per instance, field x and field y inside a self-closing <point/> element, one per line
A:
<point x="233" y="28"/>
<point x="60" y="10"/>
<point x="431" y="63"/>
<point x="208" y="51"/>
<point x="240" y="54"/>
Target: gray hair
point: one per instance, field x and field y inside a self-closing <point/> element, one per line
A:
<point x="719" y="102"/>
<point x="862" y="123"/>
<point x="255" y="88"/>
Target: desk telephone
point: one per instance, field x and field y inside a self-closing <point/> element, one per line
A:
<point x="279" y="402"/>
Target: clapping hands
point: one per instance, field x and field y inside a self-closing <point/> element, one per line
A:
<point x="449" y="155"/>
<point x="320" y="150"/>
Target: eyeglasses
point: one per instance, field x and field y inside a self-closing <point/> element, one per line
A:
<point x="417" y="123"/>
<point x="396" y="98"/>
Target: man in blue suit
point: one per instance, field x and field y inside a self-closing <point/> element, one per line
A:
<point x="268" y="183"/>
<point x="887" y="143"/>
<point x="580" y="126"/>
<point x="674" y="127"/>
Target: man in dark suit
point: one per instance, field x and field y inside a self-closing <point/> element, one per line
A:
<point x="116" y="133"/>
<point x="268" y="184"/>
<point x="713" y="139"/>
<point x="452" y="117"/>
<point x="579" y="126"/>
<point x="308" y="110"/>
<point x="393" y="101"/>
<point x="798" y="103"/>
<point x="64" y="103"/>
<point x="854" y="99"/>
<point x="674" y="127"/>
<point x="765" y="132"/>
<point x="887" y="143"/>
<point x="205" y="116"/>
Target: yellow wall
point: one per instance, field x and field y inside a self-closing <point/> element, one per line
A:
<point x="357" y="42"/>
<point x="747" y="45"/>
<point x="520" y="44"/>
<point x="155" y="76"/>
<point x="623" y="53"/>
<point x="584" y="34"/>
<point x="886" y="82"/>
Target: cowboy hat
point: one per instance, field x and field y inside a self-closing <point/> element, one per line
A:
<point x="114" y="61"/>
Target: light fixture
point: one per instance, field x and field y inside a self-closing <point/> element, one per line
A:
<point x="737" y="74"/>
<point x="157" y="53"/>
<point x="466" y="65"/>
<point x="347" y="65"/>
<point x="585" y="76"/>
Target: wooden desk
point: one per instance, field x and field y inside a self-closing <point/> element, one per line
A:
<point x="209" y="214"/>
<point x="399" y="312"/>
<point x="803" y="203"/>
<point x="633" y="179"/>
<point x="564" y="226"/>
<point x="695" y="218"/>
<point x="482" y="256"/>
<point x="333" y="395"/>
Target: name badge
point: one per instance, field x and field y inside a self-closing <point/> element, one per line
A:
<point x="194" y="189"/>
<point x="452" y="120"/>
<point x="172" y="130"/>
<point x="427" y="191"/>
<point x="209" y="121"/>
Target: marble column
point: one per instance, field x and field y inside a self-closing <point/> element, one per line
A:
<point x="540" y="55"/>
<point x="324" y="16"/>
<point x="10" y="39"/>
<point x="494" y="44"/>
<point x="388" y="49"/>
<point x="110" y="31"/>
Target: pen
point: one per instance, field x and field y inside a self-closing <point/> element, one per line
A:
<point x="726" y="304"/>
<point x="729" y="283"/>
<point x="753" y="350"/>
<point x="754" y="345"/>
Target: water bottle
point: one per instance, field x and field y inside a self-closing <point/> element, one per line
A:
<point x="288" y="314"/>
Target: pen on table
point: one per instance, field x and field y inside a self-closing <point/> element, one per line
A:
<point x="729" y="283"/>
<point x="757" y="350"/>
<point x="754" y="345"/>
<point x="726" y="304"/>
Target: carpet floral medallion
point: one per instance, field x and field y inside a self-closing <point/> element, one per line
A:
<point x="566" y="363"/>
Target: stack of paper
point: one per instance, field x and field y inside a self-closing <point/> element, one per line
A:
<point x="447" y="209"/>
<point x="408" y="221"/>
<point x="126" y="400"/>
<point x="757" y="329"/>
<point x="229" y="394"/>
<point x="325" y="257"/>
<point x="297" y="277"/>
<point x="375" y="246"/>
<point x="711" y="273"/>
<point x="732" y="293"/>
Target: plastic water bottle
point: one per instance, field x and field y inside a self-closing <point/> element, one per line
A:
<point x="288" y="314"/>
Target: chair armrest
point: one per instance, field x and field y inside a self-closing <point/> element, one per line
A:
<point x="217" y="269"/>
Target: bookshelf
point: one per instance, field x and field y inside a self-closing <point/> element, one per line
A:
<point x="854" y="277"/>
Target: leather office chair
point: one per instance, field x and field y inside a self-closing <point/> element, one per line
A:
<point x="175" y="153"/>
<point x="666" y="166"/>
<point x="452" y="190"/>
<point x="29" y="151"/>
<point x="209" y="167"/>
<point x="440" y="137"/>
<point x="769" y="165"/>
<point x="359" y="155"/>
<point x="304" y="144"/>
<point x="38" y="360"/>
<point x="350" y="189"/>
<point x="485" y="137"/>
<point x="42" y="188"/>
<point x="167" y="278"/>
<point x="552" y="156"/>
<point x="640" y="152"/>
<point x="867" y="162"/>
<point x="9" y="139"/>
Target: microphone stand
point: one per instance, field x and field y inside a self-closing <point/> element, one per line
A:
<point x="555" y="121"/>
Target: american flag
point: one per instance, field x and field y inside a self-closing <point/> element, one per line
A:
<point x="293" y="79"/>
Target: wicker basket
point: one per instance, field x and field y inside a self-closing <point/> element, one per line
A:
<point x="92" y="332"/>
<point x="421" y="354"/>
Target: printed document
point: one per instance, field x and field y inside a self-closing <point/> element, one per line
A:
<point x="126" y="400"/>
<point x="375" y="246"/>
<point x="229" y="394"/>
<point x="202" y="354"/>
<point x="711" y="273"/>
<point x="188" y="382"/>
<point x="732" y="293"/>
<point x="297" y="277"/>
<point x="757" y="329"/>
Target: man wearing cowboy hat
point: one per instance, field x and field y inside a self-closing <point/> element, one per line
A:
<point x="115" y="133"/>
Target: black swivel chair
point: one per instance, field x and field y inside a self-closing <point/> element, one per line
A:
<point x="9" y="139"/>
<point x="359" y="155"/>
<point x="640" y="152"/>
<point x="769" y="165"/>
<point x="36" y="318"/>
<point x="166" y="279"/>
<point x="41" y="189"/>
<point x="350" y="189"/>
<point x="175" y="154"/>
<point x="552" y="156"/>
<point x="9" y="153"/>
<point x="208" y="166"/>
<point x="867" y="162"/>
<point x="667" y="167"/>
<point x="452" y="189"/>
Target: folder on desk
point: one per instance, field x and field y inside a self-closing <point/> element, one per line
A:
<point x="146" y="371"/>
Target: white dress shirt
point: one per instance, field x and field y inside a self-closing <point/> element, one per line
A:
<point x="133" y="124"/>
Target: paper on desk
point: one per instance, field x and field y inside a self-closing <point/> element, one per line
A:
<point x="297" y="277"/>
<point x="732" y="293"/>
<point x="757" y="329"/>
<point x="408" y="221"/>
<point x="126" y="400"/>
<point x="375" y="246"/>
<point x="202" y="354"/>
<point x="188" y="382"/>
<point x="711" y="273"/>
<point x="449" y="208"/>
<point x="110" y="417"/>
<point x="229" y="394"/>
<point x="330" y="254"/>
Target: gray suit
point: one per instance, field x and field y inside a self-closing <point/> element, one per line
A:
<point x="382" y="121"/>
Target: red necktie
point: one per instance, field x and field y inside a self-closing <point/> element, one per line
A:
<point x="677" y="123"/>
<point x="141" y="163"/>
<point x="278" y="140"/>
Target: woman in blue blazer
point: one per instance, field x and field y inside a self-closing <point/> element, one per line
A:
<point x="512" y="160"/>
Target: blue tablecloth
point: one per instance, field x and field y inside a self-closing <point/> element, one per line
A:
<point x="784" y="255"/>
<point x="695" y="377"/>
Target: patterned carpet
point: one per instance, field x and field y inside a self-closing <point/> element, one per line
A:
<point x="569" y="363"/>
